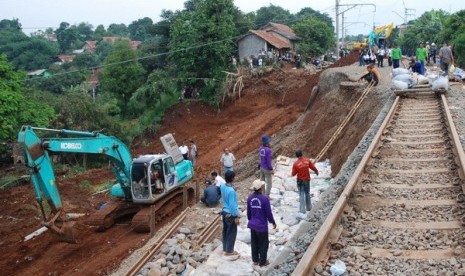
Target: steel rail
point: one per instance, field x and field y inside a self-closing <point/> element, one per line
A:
<point x="310" y="257"/>
<point x="313" y="253"/>
<point x="207" y="232"/>
<point x="157" y="245"/>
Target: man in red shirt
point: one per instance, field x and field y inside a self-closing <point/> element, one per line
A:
<point x="301" y="168"/>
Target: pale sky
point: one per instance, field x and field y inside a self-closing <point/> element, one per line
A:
<point x="41" y="14"/>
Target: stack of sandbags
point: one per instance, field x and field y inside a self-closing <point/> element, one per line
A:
<point x="440" y="83"/>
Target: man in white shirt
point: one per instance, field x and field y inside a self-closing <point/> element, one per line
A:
<point x="184" y="151"/>
<point x="227" y="160"/>
<point x="218" y="179"/>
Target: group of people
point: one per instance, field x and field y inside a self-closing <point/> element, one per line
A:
<point x="259" y="212"/>
<point x="189" y="152"/>
<point x="417" y="64"/>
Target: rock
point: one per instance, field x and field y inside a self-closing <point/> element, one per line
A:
<point x="180" y="237"/>
<point x="165" y="271"/>
<point x="179" y="250"/>
<point x="176" y="259"/>
<point x="165" y="249"/>
<point x="180" y="268"/>
<point x="171" y="242"/>
<point x="186" y="246"/>
<point x="185" y="230"/>
<point x="161" y="262"/>
<point x="154" y="272"/>
<point x="290" y="220"/>
<point x="318" y="268"/>
<point x="290" y="184"/>
<point x="243" y="236"/>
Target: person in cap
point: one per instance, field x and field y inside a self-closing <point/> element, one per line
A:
<point x="259" y="214"/>
<point x="266" y="168"/>
<point x="230" y="214"/>
<point x="302" y="168"/>
<point x="211" y="194"/>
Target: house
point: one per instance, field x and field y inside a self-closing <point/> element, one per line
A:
<point x="112" y="39"/>
<point x="39" y="73"/>
<point x="272" y="36"/>
<point x="60" y="59"/>
<point x="89" y="46"/>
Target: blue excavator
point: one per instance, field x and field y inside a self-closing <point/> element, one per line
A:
<point x="144" y="184"/>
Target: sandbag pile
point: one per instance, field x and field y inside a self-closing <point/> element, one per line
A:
<point x="404" y="79"/>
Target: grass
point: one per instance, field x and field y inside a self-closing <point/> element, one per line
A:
<point x="10" y="181"/>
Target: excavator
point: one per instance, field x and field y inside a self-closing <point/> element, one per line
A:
<point x="144" y="184"/>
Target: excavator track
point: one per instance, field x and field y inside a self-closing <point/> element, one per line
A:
<point x="146" y="217"/>
<point x="105" y="218"/>
<point x="151" y="215"/>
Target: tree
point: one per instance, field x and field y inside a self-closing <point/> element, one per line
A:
<point x="453" y="27"/>
<point x="120" y="30"/>
<point x="99" y="33"/>
<point x="317" y="37"/>
<point x="67" y="37"/>
<point x="306" y="12"/>
<point x="203" y="42"/>
<point x="123" y="75"/>
<point x="274" y="14"/>
<point x="425" y="28"/>
<point x="459" y="50"/>
<point x="138" y="30"/>
<point x="15" y="108"/>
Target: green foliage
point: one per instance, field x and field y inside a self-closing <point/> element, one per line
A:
<point x="86" y="184"/>
<point x="60" y="81"/>
<point x="317" y="37"/>
<point x="426" y="28"/>
<point x="123" y="77"/>
<point x="27" y="53"/>
<point x="138" y="30"/>
<point x="120" y="30"/>
<point x="459" y="50"/>
<point x="306" y="12"/>
<point x="453" y="27"/>
<point x="273" y="13"/>
<point x="202" y="43"/>
<point x="15" y="108"/>
<point x="99" y="33"/>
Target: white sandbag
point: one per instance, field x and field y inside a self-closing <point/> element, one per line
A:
<point x="399" y="71"/>
<point x="441" y="83"/>
<point x="399" y="85"/>
<point x="402" y="77"/>
<point x="422" y="80"/>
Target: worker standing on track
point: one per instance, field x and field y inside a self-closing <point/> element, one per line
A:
<point x="266" y="168"/>
<point x="230" y="214"/>
<point x="302" y="168"/>
<point x="259" y="214"/>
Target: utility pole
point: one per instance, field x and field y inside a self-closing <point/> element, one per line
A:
<point x="337" y="27"/>
<point x="350" y="6"/>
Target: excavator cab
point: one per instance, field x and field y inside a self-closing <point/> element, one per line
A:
<point x="152" y="177"/>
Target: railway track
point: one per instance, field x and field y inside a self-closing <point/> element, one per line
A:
<point x="402" y="213"/>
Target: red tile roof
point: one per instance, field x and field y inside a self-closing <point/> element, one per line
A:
<point x="277" y="26"/>
<point x="274" y="39"/>
<point x="66" y="58"/>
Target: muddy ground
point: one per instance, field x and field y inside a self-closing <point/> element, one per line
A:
<point x="271" y="104"/>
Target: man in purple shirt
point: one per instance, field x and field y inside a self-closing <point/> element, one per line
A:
<point x="266" y="168"/>
<point x="259" y="214"/>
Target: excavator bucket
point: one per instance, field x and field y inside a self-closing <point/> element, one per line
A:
<point x="66" y="232"/>
<point x="61" y="228"/>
